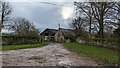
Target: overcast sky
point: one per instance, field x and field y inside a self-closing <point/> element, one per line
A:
<point x="44" y="15"/>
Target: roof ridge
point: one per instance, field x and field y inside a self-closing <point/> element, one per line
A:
<point x="50" y="29"/>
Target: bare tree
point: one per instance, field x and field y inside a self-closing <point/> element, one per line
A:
<point x="5" y="10"/>
<point x="79" y="25"/>
<point x="117" y="8"/>
<point x="114" y="14"/>
<point x="86" y="8"/>
<point x="117" y="16"/>
<point x="99" y="10"/>
<point x="23" y="27"/>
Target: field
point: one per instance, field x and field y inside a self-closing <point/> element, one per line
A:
<point x="23" y="46"/>
<point x="101" y="55"/>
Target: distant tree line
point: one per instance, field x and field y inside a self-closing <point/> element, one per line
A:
<point x="98" y="23"/>
<point x="98" y="17"/>
<point x="23" y="29"/>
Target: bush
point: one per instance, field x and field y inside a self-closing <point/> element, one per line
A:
<point x="19" y="40"/>
<point x="72" y="38"/>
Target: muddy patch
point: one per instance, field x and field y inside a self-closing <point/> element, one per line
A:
<point x="51" y="55"/>
<point x="35" y="58"/>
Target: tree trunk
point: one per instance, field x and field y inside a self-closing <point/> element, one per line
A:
<point x="0" y="27"/>
<point x="90" y="21"/>
<point x="2" y="17"/>
<point x="101" y="22"/>
<point x="1" y="24"/>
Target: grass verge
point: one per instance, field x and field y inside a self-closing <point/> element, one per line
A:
<point x="101" y="55"/>
<point x="23" y="46"/>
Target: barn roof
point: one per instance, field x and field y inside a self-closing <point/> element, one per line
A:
<point x="48" y="32"/>
<point x="51" y="32"/>
<point x="67" y="32"/>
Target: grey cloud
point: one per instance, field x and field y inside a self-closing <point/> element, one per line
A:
<point x="42" y="15"/>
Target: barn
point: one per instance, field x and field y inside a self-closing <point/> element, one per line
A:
<point x="48" y="35"/>
<point x="58" y="35"/>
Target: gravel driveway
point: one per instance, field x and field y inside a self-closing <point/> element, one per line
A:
<point x="53" y="54"/>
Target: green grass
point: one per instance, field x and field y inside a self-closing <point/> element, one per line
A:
<point x="23" y="46"/>
<point x="6" y="35"/>
<point x="99" y="54"/>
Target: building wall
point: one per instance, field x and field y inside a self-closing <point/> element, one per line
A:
<point x="58" y="37"/>
<point x="47" y="38"/>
